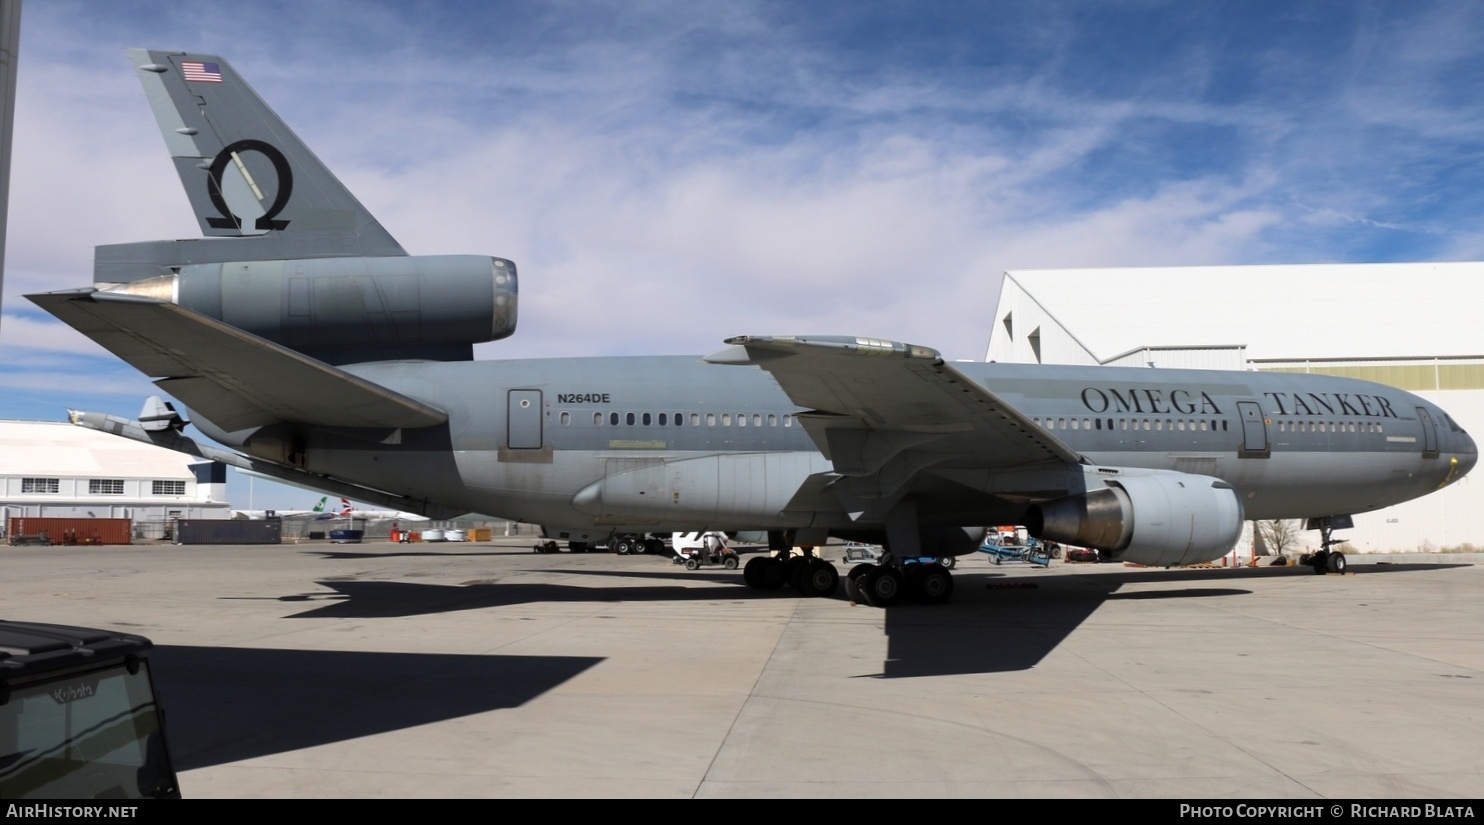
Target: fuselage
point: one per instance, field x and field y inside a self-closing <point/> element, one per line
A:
<point x="674" y="443"/>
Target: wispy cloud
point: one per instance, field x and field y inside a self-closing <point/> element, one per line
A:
<point x="667" y="174"/>
<point x="27" y="332"/>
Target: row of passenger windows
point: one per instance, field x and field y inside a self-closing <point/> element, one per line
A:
<point x="629" y="419"/>
<point x="1202" y="425"/>
<point x="1330" y="427"/>
<point x="616" y="419"/>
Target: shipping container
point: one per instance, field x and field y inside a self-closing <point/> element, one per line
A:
<point x="229" y="531"/>
<point x="67" y="531"/>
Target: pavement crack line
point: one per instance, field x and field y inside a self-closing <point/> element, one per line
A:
<point x="747" y="700"/>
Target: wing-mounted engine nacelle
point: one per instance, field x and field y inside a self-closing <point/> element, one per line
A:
<point x="1152" y="517"/>
<point x="351" y="310"/>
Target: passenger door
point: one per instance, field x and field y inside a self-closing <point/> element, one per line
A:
<point x="523" y="420"/>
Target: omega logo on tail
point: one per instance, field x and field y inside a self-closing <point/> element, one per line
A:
<point x="232" y="155"/>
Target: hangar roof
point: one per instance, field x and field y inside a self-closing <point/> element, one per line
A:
<point x="57" y="449"/>
<point x="1350" y="311"/>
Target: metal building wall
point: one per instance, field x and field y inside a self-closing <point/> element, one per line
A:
<point x="75" y="457"/>
<point x="1025" y="332"/>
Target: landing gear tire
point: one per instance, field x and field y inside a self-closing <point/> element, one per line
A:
<point x="815" y="578"/>
<point x="853" y="583"/>
<point x="577" y="547"/>
<point x="763" y="573"/>
<point x="948" y="562"/>
<point x="882" y="586"/>
<point x="1320" y="562"/>
<point x="653" y="546"/>
<point x="795" y="573"/>
<point x="1336" y="563"/>
<point x="750" y="573"/>
<point x="791" y="566"/>
<point x="929" y="584"/>
<point x="623" y="546"/>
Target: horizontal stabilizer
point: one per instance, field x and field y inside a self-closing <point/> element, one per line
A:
<point x="230" y="377"/>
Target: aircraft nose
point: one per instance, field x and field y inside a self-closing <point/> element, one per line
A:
<point x="1468" y="454"/>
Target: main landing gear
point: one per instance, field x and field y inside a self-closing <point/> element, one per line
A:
<point x="880" y="585"/>
<point x="627" y="543"/>
<point x="884" y="584"/>
<point x="809" y="575"/>
<point x="924" y="580"/>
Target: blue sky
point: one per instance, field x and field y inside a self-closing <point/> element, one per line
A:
<point x="669" y="174"/>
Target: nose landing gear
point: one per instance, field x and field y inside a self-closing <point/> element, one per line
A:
<point x="1328" y="560"/>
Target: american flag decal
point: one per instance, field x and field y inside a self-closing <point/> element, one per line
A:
<point x="199" y="72"/>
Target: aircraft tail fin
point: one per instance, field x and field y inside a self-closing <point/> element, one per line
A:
<point x="246" y="173"/>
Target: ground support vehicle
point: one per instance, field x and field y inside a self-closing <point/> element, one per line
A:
<point x="1032" y="552"/>
<point x="707" y="556"/>
<point x="79" y="718"/>
<point x="858" y="553"/>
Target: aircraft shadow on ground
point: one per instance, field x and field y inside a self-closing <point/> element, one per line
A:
<point x="714" y="574"/>
<point x="387" y="599"/>
<point x="1010" y="631"/>
<point x="335" y="555"/>
<point x="230" y="704"/>
<point x="989" y="630"/>
<point x="984" y="630"/>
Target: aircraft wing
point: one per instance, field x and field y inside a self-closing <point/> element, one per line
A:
<point x="877" y="403"/>
<point x="230" y="377"/>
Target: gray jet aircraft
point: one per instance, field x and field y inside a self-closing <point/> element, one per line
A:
<point x="304" y="338"/>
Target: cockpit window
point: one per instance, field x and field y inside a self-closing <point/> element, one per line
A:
<point x="1452" y="425"/>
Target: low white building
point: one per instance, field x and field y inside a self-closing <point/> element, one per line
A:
<point x="1415" y="326"/>
<point x="58" y="470"/>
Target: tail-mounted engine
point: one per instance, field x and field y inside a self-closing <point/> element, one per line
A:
<point x="352" y="310"/>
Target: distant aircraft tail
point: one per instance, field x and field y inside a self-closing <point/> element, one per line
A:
<point x="344" y="507"/>
<point x="246" y="173"/>
<point x="320" y="508"/>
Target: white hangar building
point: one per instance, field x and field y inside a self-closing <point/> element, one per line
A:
<point x="1415" y="326"/>
<point x="58" y="470"/>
